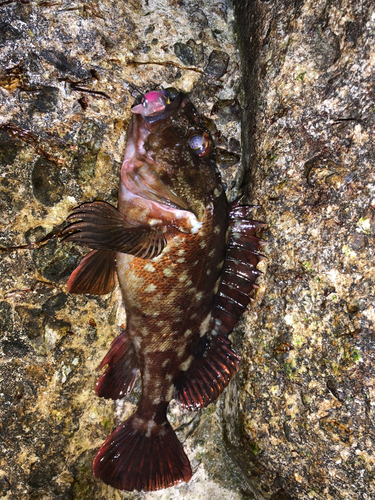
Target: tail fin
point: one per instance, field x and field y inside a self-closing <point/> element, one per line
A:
<point x="142" y="455"/>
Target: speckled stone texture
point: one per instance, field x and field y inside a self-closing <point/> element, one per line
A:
<point x="300" y="417"/>
<point x="67" y="70"/>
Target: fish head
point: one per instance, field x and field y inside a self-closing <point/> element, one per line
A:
<point x="169" y="153"/>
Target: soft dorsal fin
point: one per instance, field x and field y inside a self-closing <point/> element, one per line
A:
<point x="216" y="364"/>
<point x="101" y="226"/>
<point x="209" y="374"/>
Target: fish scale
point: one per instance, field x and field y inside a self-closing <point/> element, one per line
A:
<point x="186" y="264"/>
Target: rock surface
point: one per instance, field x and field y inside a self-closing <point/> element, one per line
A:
<point x="67" y="71"/>
<point x="298" y="420"/>
<point x="304" y="412"/>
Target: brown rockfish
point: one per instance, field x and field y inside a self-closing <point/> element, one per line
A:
<point x="186" y="262"/>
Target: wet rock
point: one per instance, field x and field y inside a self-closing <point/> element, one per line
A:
<point x="90" y="139"/>
<point x="64" y="63"/>
<point x="32" y="321"/>
<point x="9" y="148"/>
<point x="302" y="406"/>
<point x="43" y="99"/>
<point x="6" y="317"/>
<point x="4" y="485"/>
<point x="324" y="47"/>
<point x="217" y="63"/>
<point x="14" y="347"/>
<point x="226" y="159"/>
<point x="199" y="18"/>
<point x="84" y="482"/>
<point x="47" y="186"/>
<point x="227" y="110"/>
<point x="189" y="53"/>
<point x="55" y="262"/>
<point x="234" y="145"/>
<point x="8" y="32"/>
<point x="49" y="413"/>
<point x="54" y="304"/>
<point x="42" y="474"/>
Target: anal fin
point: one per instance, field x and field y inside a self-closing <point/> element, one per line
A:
<point x="121" y="373"/>
<point x="208" y="375"/>
<point x="95" y="273"/>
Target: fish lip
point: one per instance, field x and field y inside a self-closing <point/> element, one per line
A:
<point x="171" y="108"/>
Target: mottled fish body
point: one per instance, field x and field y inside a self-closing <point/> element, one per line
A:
<point x="186" y="262"/>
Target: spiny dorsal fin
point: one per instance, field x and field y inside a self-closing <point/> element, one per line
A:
<point x="240" y="272"/>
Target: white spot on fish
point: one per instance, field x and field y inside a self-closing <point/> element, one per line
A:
<point x="181" y="252"/>
<point x="162" y="430"/>
<point x="202" y="244"/>
<point x="188" y="333"/>
<point x="205" y="324"/>
<point x="137" y="342"/>
<point x="170" y="392"/>
<point x="183" y="277"/>
<point x="185" y="365"/>
<point x="208" y="272"/>
<point x="150" y="288"/>
<point x="151" y="424"/>
<point x="199" y="295"/>
<point x="196" y="225"/>
<point x="168" y="272"/>
<point x="211" y="252"/>
<point x="149" y="267"/>
<point x="180" y="261"/>
<point x="217" y="230"/>
<point x="144" y="331"/>
<point x="217" y="284"/>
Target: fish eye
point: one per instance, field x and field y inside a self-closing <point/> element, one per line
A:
<point x="200" y="142"/>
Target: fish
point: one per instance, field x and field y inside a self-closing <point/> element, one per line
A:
<point x="186" y="261"/>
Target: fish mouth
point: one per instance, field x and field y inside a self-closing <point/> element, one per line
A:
<point x="156" y="106"/>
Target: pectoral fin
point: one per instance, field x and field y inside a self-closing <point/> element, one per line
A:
<point x="95" y="273"/>
<point x="101" y="226"/>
